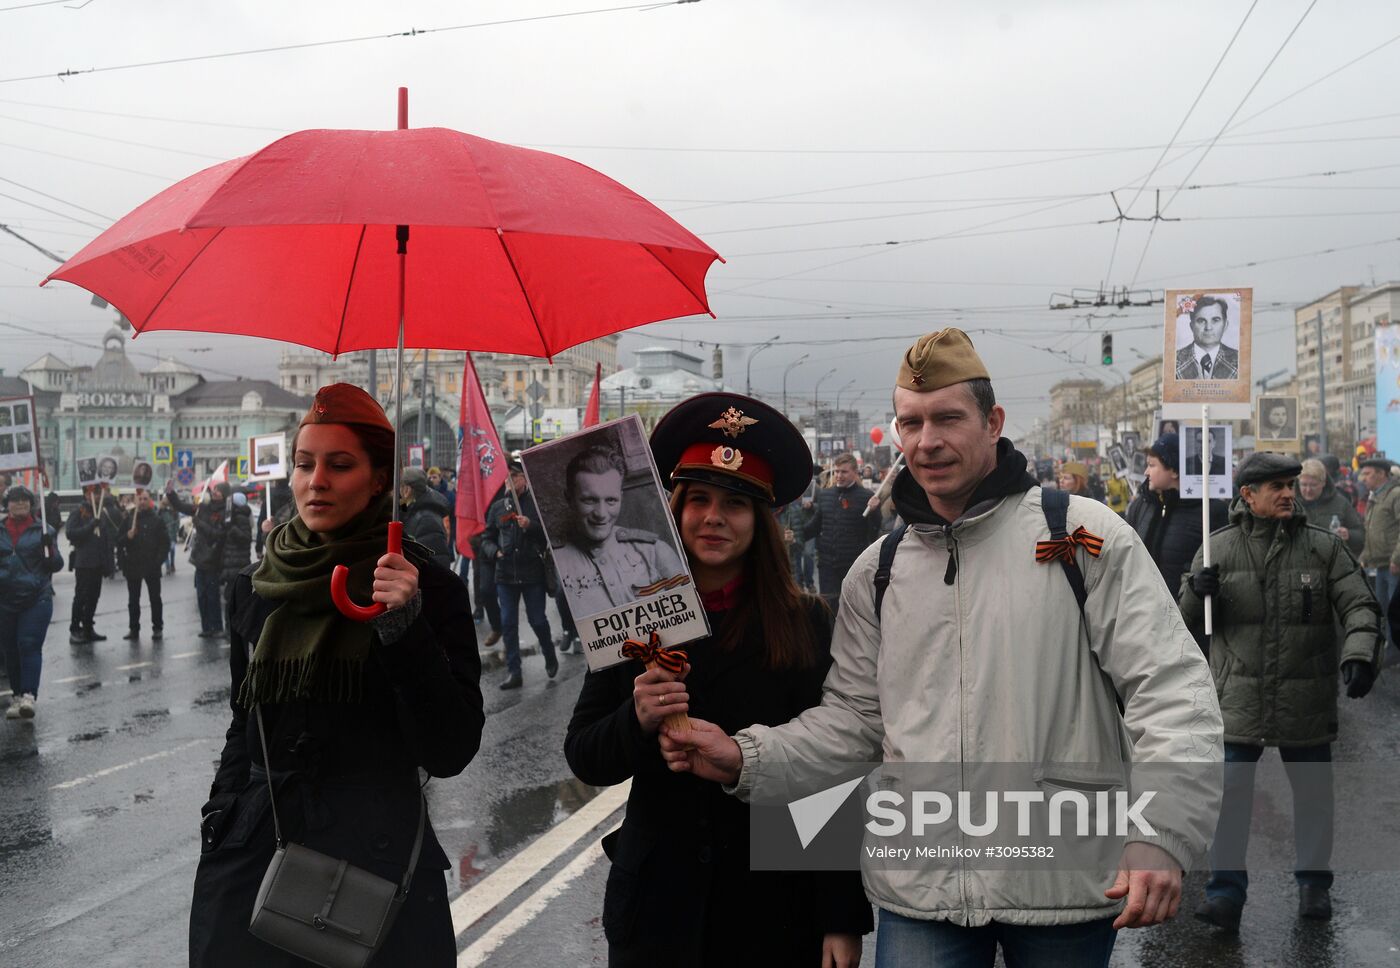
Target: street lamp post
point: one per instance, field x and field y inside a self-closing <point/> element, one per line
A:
<point x="816" y="391"/>
<point x="748" y="367"/>
<point x="789" y="369"/>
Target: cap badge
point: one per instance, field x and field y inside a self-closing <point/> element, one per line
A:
<point x="918" y="379"/>
<point x="727" y="457"/>
<point x="733" y="423"/>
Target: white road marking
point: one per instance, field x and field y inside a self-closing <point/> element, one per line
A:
<point x="79" y="781"/>
<point x="474" y="904"/>
<point x="185" y="655"/>
<point x="134" y="665"/>
<point x="528" y="909"/>
<point x="60" y="682"/>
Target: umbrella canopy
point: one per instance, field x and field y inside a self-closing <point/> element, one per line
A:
<point x="511" y="250"/>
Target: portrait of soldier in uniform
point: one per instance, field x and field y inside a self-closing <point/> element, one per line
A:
<point x="602" y="565"/>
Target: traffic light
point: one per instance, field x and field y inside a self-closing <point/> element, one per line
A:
<point x="1107" y="349"/>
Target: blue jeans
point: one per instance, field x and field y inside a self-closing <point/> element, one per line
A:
<point x="1385" y="587"/>
<point x="509" y="598"/>
<point x="208" y="593"/>
<point x="22" y="642"/>
<point x="1312" y="819"/>
<point x="910" y="943"/>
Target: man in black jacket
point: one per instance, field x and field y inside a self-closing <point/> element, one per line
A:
<point x="423" y="509"/>
<point x="207" y="555"/>
<point x="515" y="539"/>
<point x="142" y="546"/>
<point x="92" y="529"/>
<point x="238" y="543"/>
<point x="1169" y="526"/>
<point x="841" y="527"/>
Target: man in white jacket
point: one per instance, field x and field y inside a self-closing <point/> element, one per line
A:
<point x="980" y="652"/>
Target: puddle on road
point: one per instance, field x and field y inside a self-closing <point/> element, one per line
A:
<point x="99" y="813"/>
<point x="98" y="733"/>
<point x="87" y="687"/>
<point x="17" y="840"/>
<point x="513" y="819"/>
<point x="212" y="697"/>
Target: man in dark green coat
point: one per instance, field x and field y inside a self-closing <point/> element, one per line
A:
<point x="1280" y="589"/>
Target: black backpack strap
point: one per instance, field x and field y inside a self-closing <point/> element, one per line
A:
<point x="882" y="574"/>
<point x="1055" y="504"/>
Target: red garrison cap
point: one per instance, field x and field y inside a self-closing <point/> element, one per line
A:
<point x="345" y="403"/>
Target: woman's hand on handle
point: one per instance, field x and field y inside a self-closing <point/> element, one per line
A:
<point x="657" y="694"/>
<point x="395" y="581"/>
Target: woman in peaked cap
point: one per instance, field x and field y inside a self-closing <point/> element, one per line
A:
<point x="680" y="887"/>
<point x="353" y="711"/>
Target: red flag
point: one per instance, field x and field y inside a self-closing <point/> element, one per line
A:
<point x="482" y="467"/>
<point x="590" y="413"/>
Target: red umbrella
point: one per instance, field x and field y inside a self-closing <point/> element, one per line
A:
<point x="425" y="237"/>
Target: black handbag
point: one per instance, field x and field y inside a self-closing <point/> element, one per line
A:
<point x="325" y="910"/>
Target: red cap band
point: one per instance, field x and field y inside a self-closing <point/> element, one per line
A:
<point x="728" y="459"/>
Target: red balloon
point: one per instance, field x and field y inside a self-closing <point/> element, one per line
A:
<point x="876" y="435"/>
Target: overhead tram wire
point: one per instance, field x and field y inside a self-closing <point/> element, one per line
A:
<point x="411" y="32"/>
<point x="1113" y="252"/>
<point x="144" y="117"/>
<point x="55" y="198"/>
<point x="1223" y="128"/>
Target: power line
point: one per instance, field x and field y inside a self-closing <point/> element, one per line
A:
<point x="55" y="198"/>
<point x="1172" y="140"/>
<point x="119" y="141"/>
<point x="148" y="117"/>
<point x="1223" y="128"/>
<point x="412" y="32"/>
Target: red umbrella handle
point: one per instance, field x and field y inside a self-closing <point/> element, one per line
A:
<point x="341" y="574"/>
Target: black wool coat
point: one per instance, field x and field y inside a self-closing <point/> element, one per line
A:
<point x="680" y="892"/>
<point x="347" y="779"/>
<point x="144" y="554"/>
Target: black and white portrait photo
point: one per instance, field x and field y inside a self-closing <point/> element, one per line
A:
<point x="1139" y="464"/>
<point x="1206" y="348"/>
<point x="1132" y="442"/>
<point x="1277" y="419"/>
<point x="613" y="538"/>
<point x="1201" y="452"/>
<point x="87" y="471"/>
<point x="106" y="469"/>
<point x="141" y="474"/>
<point x="269" y="453"/>
<point x="1119" y="460"/>
<point x="16" y="436"/>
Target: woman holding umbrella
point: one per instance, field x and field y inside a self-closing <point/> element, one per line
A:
<point x="352" y="711"/>
<point x="680" y="883"/>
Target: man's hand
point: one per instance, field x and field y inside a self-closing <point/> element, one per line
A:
<point x="1343" y="533"/>
<point x="873" y="503"/>
<point x="840" y="951"/>
<point x="523" y="521"/>
<point x="266" y="526"/>
<point x="1151" y="880"/>
<point x="1206" y="581"/>
<point x="1359" y="678"/>
<point x="395" y="581"/>
<point x="704" y="750"/>
<point x="656" y="694"/>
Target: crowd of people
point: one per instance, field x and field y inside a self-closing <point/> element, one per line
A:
<point x="849" y="623"/>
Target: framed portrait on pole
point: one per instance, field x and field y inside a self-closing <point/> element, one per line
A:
<point x="1276" y="423"/>
<point x="1206" y="353"/>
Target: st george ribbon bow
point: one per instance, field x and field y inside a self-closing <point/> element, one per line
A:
<point x="672" y="660"/>
<point x="1062" y="549"/>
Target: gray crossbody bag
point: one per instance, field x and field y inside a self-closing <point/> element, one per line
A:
<point x="325" y="910"/>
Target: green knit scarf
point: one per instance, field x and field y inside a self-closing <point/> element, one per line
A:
<point x="307" y="649"/>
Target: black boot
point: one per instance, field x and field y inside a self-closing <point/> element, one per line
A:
<point x="1222" y="912"/>
<point x="1314" y="902"/>
<point x="94" y="636"/>
<point x="157" y="634"/>
<point x="513" y="682"/>
<point x="78" y="637"/>
<point x="132" y="634"/>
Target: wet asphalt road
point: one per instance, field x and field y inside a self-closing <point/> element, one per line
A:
<point x="100" y="797"/>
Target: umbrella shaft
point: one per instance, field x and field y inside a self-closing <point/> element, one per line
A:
<point x="398" y="376"/>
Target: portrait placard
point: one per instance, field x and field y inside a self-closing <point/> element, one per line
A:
<point x="1118" y="460"/>
<point x="267" y="457"/>
<point x="1206" y="352"/>
<point x="1276" y="423"/>
<point x="141" y="474"/>
<point x="1132" y="442"/>
<point x="620" y="561"/>
<point x="1193" y="455"/>
<point x="18" y="435"/>
<point x="106" y="472"/>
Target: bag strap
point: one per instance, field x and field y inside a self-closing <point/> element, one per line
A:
<point x="888" y="547"/>
<point x="1055" y="504"/>
<point x="277" y="822"/>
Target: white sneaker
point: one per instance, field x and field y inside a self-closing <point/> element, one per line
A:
<point x="26" y="706"/>
<point x="13" y="711"/>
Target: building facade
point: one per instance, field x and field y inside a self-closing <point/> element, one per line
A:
<point x="1328" y="361"/>
<point x="1075" y="417"/>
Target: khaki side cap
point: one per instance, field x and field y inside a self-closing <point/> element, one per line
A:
<point x="938" y="360"/>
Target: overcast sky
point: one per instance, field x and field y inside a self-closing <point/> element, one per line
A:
<point x="796" y="138"/>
